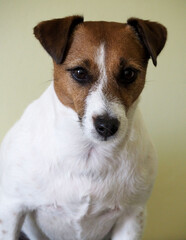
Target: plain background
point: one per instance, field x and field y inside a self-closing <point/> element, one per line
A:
<point x="26" y="70"/>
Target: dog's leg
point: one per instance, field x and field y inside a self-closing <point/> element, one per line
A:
<point x="11" y="218"/>
<point x="130" y="226"/>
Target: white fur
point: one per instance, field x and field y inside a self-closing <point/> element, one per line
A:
<point x="69" y="185"/>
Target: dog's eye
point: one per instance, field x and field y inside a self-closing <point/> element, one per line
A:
<point x="128" y="75"/>
<point x="80" y="75"/>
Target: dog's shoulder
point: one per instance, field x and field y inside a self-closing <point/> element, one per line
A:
<point x="28" y="125"/>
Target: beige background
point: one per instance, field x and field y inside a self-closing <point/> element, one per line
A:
<point x="26" y="70"/>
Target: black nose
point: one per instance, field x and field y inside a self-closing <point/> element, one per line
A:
<point x="106" y="126"/>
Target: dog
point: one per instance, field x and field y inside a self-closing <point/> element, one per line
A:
<point x="79" y="164"/>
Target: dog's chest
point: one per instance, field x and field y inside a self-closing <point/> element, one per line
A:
<point x="78" y="210"/>
<point x="84" y="193"/>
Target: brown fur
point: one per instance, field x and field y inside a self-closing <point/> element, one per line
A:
<point x="54" y="35"/>
<point x="152" y="35"/>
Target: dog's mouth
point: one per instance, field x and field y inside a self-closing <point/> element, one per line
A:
<point x="80" y="118"/>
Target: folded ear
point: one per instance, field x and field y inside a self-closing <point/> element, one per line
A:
<point x="54" y="35"/>
<point x="152" y="34"/>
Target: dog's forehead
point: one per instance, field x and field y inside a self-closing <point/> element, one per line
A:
<point x="102" y="30"/>
<point x="119" y="40"/>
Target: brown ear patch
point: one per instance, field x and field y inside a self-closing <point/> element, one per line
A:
<point x="54" y="35"/>
<point x="152" y="35"/>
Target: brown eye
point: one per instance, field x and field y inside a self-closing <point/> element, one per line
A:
<point x="80" y="75"/>
<point x="128" y="75"/>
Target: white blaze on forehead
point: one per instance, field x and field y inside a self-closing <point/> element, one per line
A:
<point x="97" y="98"/>
<point x="100" y="60"/>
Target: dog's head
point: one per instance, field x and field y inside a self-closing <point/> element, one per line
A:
<point x="100" y="68"/>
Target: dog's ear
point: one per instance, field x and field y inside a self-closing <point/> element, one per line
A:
<point x="152" y="35"/>
<point x="54" y="35"/>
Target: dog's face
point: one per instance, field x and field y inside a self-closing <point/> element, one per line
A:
<point x="99" y="70"/>
<point x="101" y="77"/>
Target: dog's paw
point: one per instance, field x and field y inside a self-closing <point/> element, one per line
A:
<point x="23" y="236"/>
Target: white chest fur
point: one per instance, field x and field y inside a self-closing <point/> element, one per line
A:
<point x="78" y="206"/>
<point x="79" y="201"/>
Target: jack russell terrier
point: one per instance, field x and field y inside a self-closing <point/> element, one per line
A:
<point x="79" y="164"/>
